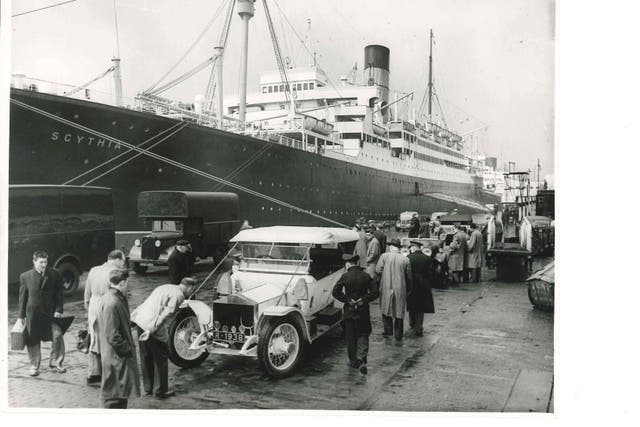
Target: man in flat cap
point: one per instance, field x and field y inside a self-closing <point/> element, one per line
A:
<point x="356" y="289"/>
<point x="419" y="296"/>
<point x="394" y="270"/>
<point x="151" y="319"/>
<point x="179" y="262"/>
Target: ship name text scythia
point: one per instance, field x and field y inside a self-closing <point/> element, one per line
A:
<point x="89" y="140"/>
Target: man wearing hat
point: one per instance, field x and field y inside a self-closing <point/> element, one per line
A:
<point x="356" y="289"/>
<point x="373" y="252"/>
<point x="151" y="319"/>
<point x="395" y="277"/>
<point x="179" y="262"/>
<point x="120" y="378"/>
<point x="476" y="249"/>
<point x="419" y="296"/>
<point x="40" y="302"/>
<point x="361" y="246"/>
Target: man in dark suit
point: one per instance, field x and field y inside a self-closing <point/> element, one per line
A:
<point x="356" y="289"/>
<point x="179" y="262"/>
<point x="419" y="296"/>
<point x="40" y="301"/>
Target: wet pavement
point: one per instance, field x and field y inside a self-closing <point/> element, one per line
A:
<point x="485" y="349"/>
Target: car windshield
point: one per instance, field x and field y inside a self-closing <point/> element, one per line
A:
<point x="275" y="256"/>
<point x="167" y="225"/>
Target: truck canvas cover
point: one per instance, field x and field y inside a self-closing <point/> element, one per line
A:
<point x="185" y="204"/>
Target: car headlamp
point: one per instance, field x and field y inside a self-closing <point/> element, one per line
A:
<point x="216" y="325"/>
<point x="300" y="291"/>
<point x="158" y="243"/>
<point x="136" y="242"/>
<point x="233" y="329"/>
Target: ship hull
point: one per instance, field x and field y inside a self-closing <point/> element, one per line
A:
<point x="44" y="150"/>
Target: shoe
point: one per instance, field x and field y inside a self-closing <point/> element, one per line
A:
<point x="94" y="379"/>
<point x="148" y="393"/>
<point x="355" y="365"/>
<point x="363" y="369"/>
<point x="34" y="372"/>
<point x="59" y="369"/>
<point x="165" y="395"/>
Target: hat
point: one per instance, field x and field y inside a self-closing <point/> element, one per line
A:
<point x="188" y="281"/>
<point x="182" y="242"/>
<point x="415" y="242"/>
<point x="350" y="258"/>
<point x="395" y="242"/>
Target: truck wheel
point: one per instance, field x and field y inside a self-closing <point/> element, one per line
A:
<point x="183" y="330"/>
<point x="280" y="346"/>
<point x="140" y="269"/>
<point x="70" y="277"/>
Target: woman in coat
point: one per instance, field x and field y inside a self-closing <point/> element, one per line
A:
<point x="456" y="258"/>
<point x="120" y="379"/>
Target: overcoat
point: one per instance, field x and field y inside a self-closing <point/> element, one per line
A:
<point x="414" y="229"/>
<point x="476" y="249"/>
<point x="394" y="270"/>
<point x="361" y="249"/>
<point x="419" y="296"/>
<point x="382" y="239"/>
<point x="356" y="285"/>
<point x="120" y="378"/>
<point x="40" y="297"/>
<point x="457" y="250"/>
<point x="96" y="286"/>
<point x="373" y="254"/>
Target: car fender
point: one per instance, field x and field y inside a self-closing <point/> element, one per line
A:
<point x="135" y="253"/>
<point x="202" y="311"/>
<point x="283" y="311"/>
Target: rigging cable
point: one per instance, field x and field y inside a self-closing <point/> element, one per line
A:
<point x="307" y="49"/>
<point x="115" y="16"/>
<point x="176" y="164"/>
<point x="211" y="85"/>
<point x="243" y="166"/>
<point x="42" y="8"/>
<point x="288" y="89"/>
<point x="211" y="21"/>
<point x="95" y="79"/>
<point x="183" y="77"/>
<point x="121" y="154"/>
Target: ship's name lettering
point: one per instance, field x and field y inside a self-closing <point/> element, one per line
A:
<point x="89" y="140"/>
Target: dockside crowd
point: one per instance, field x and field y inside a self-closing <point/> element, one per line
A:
<point x="401" y="277"/>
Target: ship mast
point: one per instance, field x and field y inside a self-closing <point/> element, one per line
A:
<point x="430" y="72"/>
<point x="117" y="78"/>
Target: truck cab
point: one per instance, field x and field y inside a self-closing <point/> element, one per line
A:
<point x="207" y="220"/>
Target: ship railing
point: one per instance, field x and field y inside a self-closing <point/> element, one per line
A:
<point x="275" y="137"/>
<point x="166" y="109"/>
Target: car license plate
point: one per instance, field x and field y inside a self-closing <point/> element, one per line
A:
<point x="228" y="336"/>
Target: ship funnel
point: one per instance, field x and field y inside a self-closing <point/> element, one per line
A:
<point x="376" y="71"/>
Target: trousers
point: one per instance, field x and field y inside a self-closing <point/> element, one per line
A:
<point x="357" y="342"/>
<point x="95" y="364"/>
<point x="393" y="326"/>
<point x="416" y="318"/>
<point x="114" y="403"/>
<point x="57" y="349"/>
<point x="154" y="357"/>
<point x="475" y="275"/>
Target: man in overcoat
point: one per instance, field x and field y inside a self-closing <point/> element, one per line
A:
<point x="96" y="286"/>
<point x="414" y="228"/>
<point x="120" y="378"/>
<point x="40" y="301"/>
<point x="394" y="270"/>
<point x="382" y="238"/>
<point x="373" y="252"/>
<point x="151" y="319"/>
<point x="179" y="262"/>
<point x="419" y="296"/>
<point x="356" y="289"/>
<point x="457" y="252"/>
<point x="361" y="246"/>
<point x="476" y="253"/>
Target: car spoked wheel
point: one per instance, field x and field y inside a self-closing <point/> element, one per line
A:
<point x="280" y="347"/>
<point x="183" y="331"/>
<point x="70" y="277"/>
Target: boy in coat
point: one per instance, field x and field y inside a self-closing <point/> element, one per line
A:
<point x="356" y="289"/>
<point x="120" y="378"/>
<point x="41" y="300"/>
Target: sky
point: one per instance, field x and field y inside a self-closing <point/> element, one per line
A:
<point x="493" y="59"/>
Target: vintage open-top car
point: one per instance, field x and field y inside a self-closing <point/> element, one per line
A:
<point x="283" y="301"/>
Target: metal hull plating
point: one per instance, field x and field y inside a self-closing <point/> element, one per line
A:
<point x="46" y="151"/>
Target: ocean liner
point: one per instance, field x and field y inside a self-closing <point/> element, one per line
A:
<point x="300" y="151"/>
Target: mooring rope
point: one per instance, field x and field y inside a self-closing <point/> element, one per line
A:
<point x="175" y="163"/>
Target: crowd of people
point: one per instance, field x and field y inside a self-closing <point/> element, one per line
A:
<point x="114" y="332"/>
